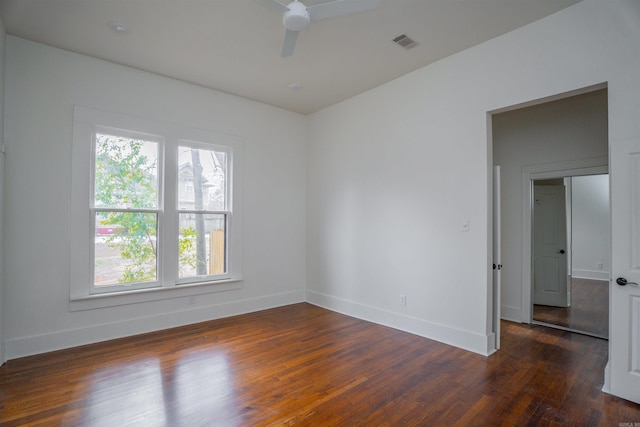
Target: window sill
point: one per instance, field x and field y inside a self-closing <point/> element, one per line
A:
<point x="90" y="302"/>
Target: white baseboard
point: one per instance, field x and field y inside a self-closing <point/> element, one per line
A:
<point x="606" y="387"/>
<point x="491" y="344"/>
<point x="590" y="274"/>
<point x="513" y="314"/>
<point x="466" y="340"/>
<point x="28" y="346"/>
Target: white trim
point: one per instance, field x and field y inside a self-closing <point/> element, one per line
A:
<point x="593" y="166"/>
<point x="496" y="272"/>
<point x="606" y="387"/>
<point x="27" y="346"/>
<point x="466" y="340"/>
<point x="492" y="344"/>
<point x="512" y="314"/>
<point x="135" y="296"/>
<point x="590" y="274"/>
<point x="551" y="98"/>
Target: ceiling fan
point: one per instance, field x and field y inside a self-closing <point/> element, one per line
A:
<point x="297" y="17"/>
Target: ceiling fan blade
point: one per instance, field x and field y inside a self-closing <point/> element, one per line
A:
<point x="289" y="43"/>
<point x="340" y="7"/>
<point x="274" y="5"/>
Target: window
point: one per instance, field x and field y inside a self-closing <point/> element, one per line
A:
<point x="125" y="209"/>
<point x="156" y="208"/>
<point x="203" y="212"/>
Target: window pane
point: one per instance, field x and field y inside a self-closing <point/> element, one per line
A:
<point x="125" y="248"/>
<point x="126" y="173"/>
<point x="202" y="176"/>
<point x="202" y="244"/>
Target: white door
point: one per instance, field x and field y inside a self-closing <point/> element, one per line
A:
<point x="549" y="246"/>
<point x="623" y="370"/>
<point x="497" y="255"/>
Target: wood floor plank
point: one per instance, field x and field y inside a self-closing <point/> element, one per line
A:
<point x="303" y="365"/>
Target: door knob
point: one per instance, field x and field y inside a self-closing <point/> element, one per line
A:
<point x="561" y="251"/>
<point x="623" y="282"/>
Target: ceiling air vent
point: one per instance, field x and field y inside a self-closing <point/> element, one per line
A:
<point x="405" y="41"/>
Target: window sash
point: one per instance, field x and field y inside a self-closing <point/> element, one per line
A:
<point x="228" y="151"/>
<point x="157" y="209"/>
<point x="110" y="288"/>
<point x="209" y="277"/>
<point x="226" y="212"/>
<point x="134" y="135"/>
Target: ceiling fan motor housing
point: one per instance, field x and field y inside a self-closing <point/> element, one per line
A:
<point x="296" y="18"/>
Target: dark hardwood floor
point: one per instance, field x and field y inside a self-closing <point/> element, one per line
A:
<point x="589" y="311"/>
<point x="303" y="365"/>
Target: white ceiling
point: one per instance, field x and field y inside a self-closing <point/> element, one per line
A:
<point x="234" y="45"/>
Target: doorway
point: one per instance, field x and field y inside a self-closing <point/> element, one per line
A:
<point x="563" y="136"/>
<point x="570" y="253"/>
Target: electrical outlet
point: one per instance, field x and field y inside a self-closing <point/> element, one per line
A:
<point x="599" y="265"/>
<point x="403" y="300"/>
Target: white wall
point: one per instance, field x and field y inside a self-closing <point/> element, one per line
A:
<point x="590" y="227"/>
<point x="43" y="85"/>
<point x="568" y="129"/>
<point x="2" y="72"/>
<point x="395" y="172"/>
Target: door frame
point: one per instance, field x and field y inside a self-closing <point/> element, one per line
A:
<point x="592" y="166"/>
<point x="497" y="257"/>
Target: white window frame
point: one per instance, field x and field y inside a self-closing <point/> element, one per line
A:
<point x="88" y="122"/>
<point x="158" y="139"/>
<point x="227" y="212"/>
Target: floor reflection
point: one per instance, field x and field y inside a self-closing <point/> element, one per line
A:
<point x="198" y="386"/>
<point x="589" y="310"/>
<point x="168" y="391"/>
<point x="125" y="394"/>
